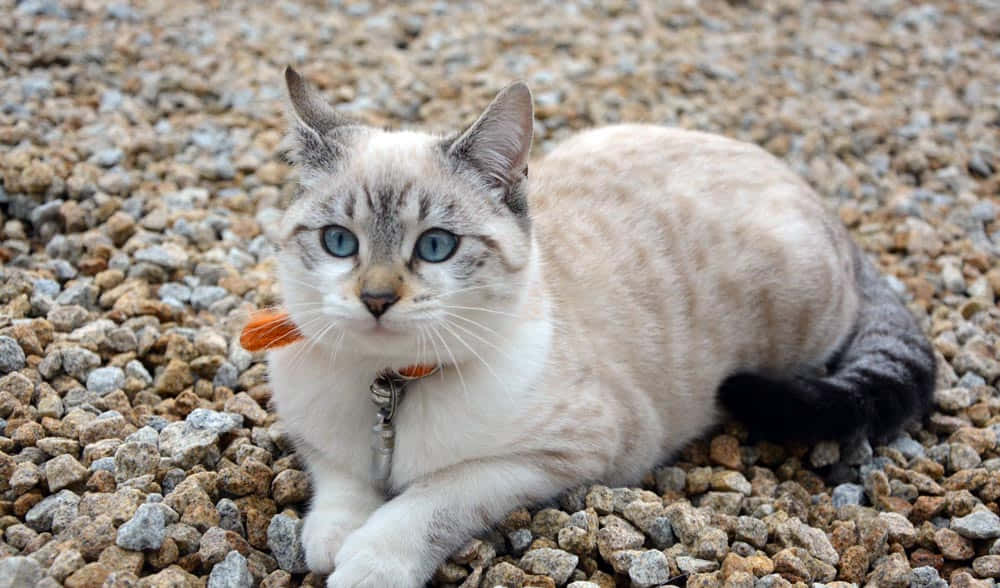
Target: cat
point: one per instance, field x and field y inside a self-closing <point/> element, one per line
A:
<point x="587" y="319"/>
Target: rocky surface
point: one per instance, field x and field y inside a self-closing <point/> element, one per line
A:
<point x="138" y="155"/>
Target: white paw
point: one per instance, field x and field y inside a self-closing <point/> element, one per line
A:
<point x="376" y="560"/>
<point x="374" y="570"/>
<point x="323" y="533"/>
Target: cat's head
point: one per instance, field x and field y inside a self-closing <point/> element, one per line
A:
<point x="406" y="245"/>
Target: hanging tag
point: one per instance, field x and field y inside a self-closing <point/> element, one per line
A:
<point x="383" y="444"/>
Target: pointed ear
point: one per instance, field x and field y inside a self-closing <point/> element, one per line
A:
<point x="310" y="108"/>
<point x="312" y="139"/>
<point x="497" y="144"/>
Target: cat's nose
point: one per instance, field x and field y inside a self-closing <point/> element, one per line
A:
<point x="379" y="302"/>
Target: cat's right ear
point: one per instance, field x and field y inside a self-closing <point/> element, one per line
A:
<point x="497" y="144"/>
<point x="311" y="141"/>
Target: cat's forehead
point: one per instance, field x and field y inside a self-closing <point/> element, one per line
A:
<point x="397" y="154"/>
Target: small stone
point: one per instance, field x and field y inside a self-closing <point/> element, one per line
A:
<point x="900" y="529"/>
<point x="987" y="566"/>
<point x="92" y="574"/>
<point x="952" y="545"/>
<point x="53" y="510"/>
<point x="290" y="486"/>
<point x="63" y="471"/>
<point x="893" y="572"/>
<point x="203" y="297"/>
<point x="187" y="445"/>
<point x="927" y="577"/>
<point x="78" y="362"/>
<point x="751" y="530"/>
<point x="618" y="537"/>
<point x="848" y="494"/>
<point x="725" y="451"/>
<point x="730" y="481"/>
<point x="65" y="563"/>
<point x="19" y="572"/>
<point x="686" y="522"/>
<point x="693" y="565"/>
<point x="283" y="539"/>
<point x="217" y="542"/>
<point x="649" y="569"/>
<point x="231" y="572"/>
<point x="11" y="355"/>
<point x="105" y="380"/>
<point x="980" y="524"/>
<point x="504" y="574"/>
<point x="824" y="453"/>
<point x="168" y="255"/>
<point x="243" y="404"/>
<point x="555" y="563"/>
<point x="217" y="422"/>
<point x="146" y="529"/>
<point x="712" y="544"/>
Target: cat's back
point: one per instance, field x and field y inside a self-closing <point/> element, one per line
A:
<point x="614" y="164"/>
<point x="642" y="225"/>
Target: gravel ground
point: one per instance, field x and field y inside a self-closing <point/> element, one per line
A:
<point x="140" y="177"/>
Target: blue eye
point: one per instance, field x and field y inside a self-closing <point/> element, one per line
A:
<point x="339" y="242"/>
<point x="436" y="245"/>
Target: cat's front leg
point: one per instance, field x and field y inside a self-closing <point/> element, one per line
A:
<point x="340" y="506"/>
<point x="406" y="539"/>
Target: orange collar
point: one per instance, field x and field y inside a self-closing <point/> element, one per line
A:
<point x="271" y="329"/>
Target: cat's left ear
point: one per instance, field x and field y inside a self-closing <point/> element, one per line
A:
<point x="312" y="139"/>
<point x="498" y="143"/>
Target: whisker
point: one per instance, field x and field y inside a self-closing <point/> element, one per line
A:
<point x="458" y="369"/>
<point x="475" y="353"/>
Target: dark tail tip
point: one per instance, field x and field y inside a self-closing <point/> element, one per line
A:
<point x="832" y="408"/>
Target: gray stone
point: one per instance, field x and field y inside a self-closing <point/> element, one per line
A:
<point x="187" y="445"/>
<point x="19" y="572"/>
<point x="109" y="157"/>
<point x="147" y="528"/>
<point x="79" y="362"/>
<point x="661" y="533"/>
<point x="11" y="355"/>
<point x="135" y="369"/>
<point x="104" y="463"/>
<point x="231" y="572"/>
<point x="845" y="494"/>
<point x="204" y="296"/>
<point x="57" y="507"/>
<point x="226" y="376"/>
<point x="229" y="517"/>
<point x="175" y="290"/>
<point x="146" y="434"/>
<point x="649" y="569"/>
<point x="693" y="565"/>
<point x="520" y="540"/>
<point x="217" y="422"/>
<point x="555" y="563"/>
<point x="908" y="447"/>
<point x="284" y="541"/>
<point x="927" y="577"/>
<point x="105" y="380"/>
<point x="168" y="255"/>
<point x="981" y="524"/>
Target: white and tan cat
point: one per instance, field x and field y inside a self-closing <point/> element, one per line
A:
<point x="588" y="321"/>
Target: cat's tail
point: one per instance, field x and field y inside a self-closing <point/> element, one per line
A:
<point x="881" y="378"/>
